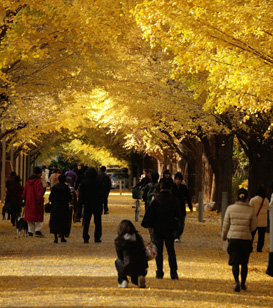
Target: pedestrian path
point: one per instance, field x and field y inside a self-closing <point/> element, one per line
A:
<point x="35" y="272"/>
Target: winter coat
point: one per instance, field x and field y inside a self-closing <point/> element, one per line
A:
<point x="106" y="181"/>
<point x="262" y="217"/>
<point x="91" y="194"/>
<point x="59" y="217"/>
<point x="239" y="221"/>
<point x="34" y="200"/>
<point x="130" y="249"/>
<point x="182" y="193"/>
<point x="9" y="183"/>
<point x="164" y="211"/>
<point x="15" y="191"/>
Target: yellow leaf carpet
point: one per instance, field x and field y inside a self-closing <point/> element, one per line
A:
<point x="35" y="272"/>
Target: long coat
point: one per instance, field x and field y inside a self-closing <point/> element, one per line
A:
<point x="59" y="217"/>
<point x="34" y="200"/>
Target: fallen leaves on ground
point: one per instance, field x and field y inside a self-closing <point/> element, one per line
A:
<point x="35" y="272"/>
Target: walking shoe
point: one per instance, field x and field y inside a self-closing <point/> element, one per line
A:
<point x="63" y="240"/>
<point x="124" y="284"/>
<point x="237" y="287"/>
<point x="243" y="287"/>
<point x="141" y="282"/>
<point x="39" y="234"/>
<point x="86" y="241"/>
<point x="174" y="277"/>
<point x="107" y="212"/>
<point x="176" y="240"/>
<point x="30" y="234"/>
<point x="98" y="241"/>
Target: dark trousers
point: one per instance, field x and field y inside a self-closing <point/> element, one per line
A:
<point x="261" y="235"/>
<point x="180" y="228"/>
<point x="105" y="204"/>
<point x="15" y="212"/>
<point x="119" y="264"/>
<point x="169" y="243"/>
<point x="86" y="222"/>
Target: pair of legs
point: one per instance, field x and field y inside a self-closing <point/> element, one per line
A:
<point x="35" y="227"/>
<point x="15" y="213"/>
<point x="137" y="278"/>
<point x="86" y="222"/>
<point x="56" y="238"/>
<point x="169" y="243"/>
<point x="236" y="272"/>
<point x="180" y="228"/>
<point x="261" y="235"/>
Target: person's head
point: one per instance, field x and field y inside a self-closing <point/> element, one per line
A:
<point x="261" y="191"/>
<point x="149" y="173"/>
<point x="166" y="185"/>
<point x="166" y="174"/>
<point x="44" y="168"/>
<point x="69" y="180"/>
<point x="13" y="174"/>
<point x="155" y="176"/>
<point x="178" y="178"/>
<point x="102" y="168"/>
<point x="17" y="179"/>
<point x="38" y="170"/>
<point x="62" y="178"/>
<point x="54" y="167"/>
<point x="56" y="170"/>
<point x="242" y="194"/>
<point x="71" y="167"/>
<point x="91" y="173"/>
<point x="126" y="226"/>
<point x="79" y="166"/>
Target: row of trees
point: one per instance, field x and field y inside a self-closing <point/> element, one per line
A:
<point x="178" y="80"/>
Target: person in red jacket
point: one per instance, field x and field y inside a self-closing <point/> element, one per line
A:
<point x="34" y="203"/>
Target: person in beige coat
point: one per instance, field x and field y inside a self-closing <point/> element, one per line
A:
<point x="261" y="205"/>
<point x="239" y="222"/>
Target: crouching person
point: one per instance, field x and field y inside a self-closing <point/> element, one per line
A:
<point x="132" y="260"/>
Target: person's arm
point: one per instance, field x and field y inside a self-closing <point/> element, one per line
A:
<point x="188" y="198"/>
<point x="226" y="225"/>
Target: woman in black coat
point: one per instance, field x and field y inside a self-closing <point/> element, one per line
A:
<point x="59" y="217"/>
<point x="132" y="260"/>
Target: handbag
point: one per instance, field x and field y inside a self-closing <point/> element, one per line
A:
<point x="48" y="207"/>
<point x="150" y="250"/>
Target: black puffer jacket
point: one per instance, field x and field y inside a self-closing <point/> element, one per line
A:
<point x="130" y="249"/>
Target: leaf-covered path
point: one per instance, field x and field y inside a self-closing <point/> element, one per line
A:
<point x="35" y="272"/>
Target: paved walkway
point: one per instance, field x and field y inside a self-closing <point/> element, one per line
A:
<point x="35" y="272"/>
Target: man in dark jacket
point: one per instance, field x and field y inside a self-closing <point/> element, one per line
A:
<point x="165" y="211"/>
<point x="34" y="203"/>
<point x="91" y="194"/>
<point x="180" y="191"/>
<point x="107" y="183"/>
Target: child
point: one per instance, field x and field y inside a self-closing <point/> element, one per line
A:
<point x="132" y="260"/>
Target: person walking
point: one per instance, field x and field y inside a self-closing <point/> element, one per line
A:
<point x="15" y="191"/>
<point x="261" y="206"/>
<point x="181" y="192"/>
<point x="239" y="221"/>
<point x="54" y="178"/>
<point x="7" y="206"/>
<point x="60" y="197"/>
<point x="91" y="194"/>
<point x="44" y="179"/>
<point x="34" y="203"/>
<point x="72" y="174"/>
<point x="132" y="260"/>
<point x="73" y="204"/>
<point x="164" y="215"/>
<point x="107" y="183"/>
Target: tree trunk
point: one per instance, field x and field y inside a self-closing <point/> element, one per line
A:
<point x="260" y="167"/>
<point x="219" y="151"/>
